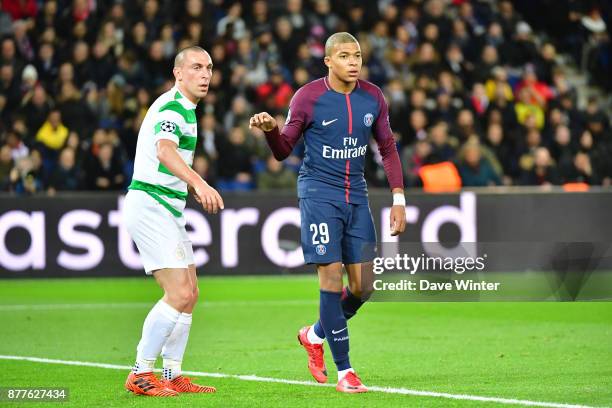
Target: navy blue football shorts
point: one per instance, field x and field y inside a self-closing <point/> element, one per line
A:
<point x="335" y="231"/>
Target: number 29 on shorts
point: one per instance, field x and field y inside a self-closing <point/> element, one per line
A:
<point x="320" y="233"/>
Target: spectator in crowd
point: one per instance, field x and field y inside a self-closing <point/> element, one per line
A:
<point x="597" y="53"/>
<point x="466" y="125"/>
<point x="503" y="151"/>
<point x="581" y="170"/>
<point x="276" y="176"/>
<point x="9" y="87"/>
<point x="276" y="93"/>
<point x="232" y="25"/>
<point x="599" y="156"/>
<point x="417" y="129"/>
<point x="53" y="134"/>
<point x="543" y="172"/>
<point x="5" y="23"/>
<point x="201" y="165"/>
<point x="105" y="172"/>
<point x="443" y="146"/>
<point x="6" y="165"/>
<point x="498" y="86"/>
<point x="476" y="171"/>
<point x="65" y="177"/>
<point x="562" y="148"/>
<point x="26" y="176"/>
<point x="18" y="148"/>
<point x="235" y="174"/>
<point x="413" y="158"/>
<point x="539" y="93"/>
<point x="525" y="108"/>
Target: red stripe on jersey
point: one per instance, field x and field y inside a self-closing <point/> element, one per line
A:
<point x="347" y="181"/>
<point x="350" y="113"/>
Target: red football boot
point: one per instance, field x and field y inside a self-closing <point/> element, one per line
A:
<point x="351" y="384"/>
<point x="316" y="363"/>
<point x="147" y="384"/>
<point x="184" y="384"/>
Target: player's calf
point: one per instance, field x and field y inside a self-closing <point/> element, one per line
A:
<point x="351" y="301"/>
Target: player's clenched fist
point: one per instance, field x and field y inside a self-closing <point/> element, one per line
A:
<point x="207" y="196"/>
<point x="263" y="121"/>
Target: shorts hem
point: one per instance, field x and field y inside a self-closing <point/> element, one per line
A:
<point x="321" y="261"/>
<point x="359" y="261"/>
<point x="149" y="271"/>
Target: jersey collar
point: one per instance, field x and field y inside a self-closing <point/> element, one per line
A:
<point x="329" y="88"/>
<point x="178" y="96"/>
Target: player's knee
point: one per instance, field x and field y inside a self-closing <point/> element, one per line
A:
<point x="331" y="282"/>
<point x="182" y="297"/>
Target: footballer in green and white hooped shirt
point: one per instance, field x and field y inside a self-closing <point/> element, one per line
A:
<point x="153" y="215"/>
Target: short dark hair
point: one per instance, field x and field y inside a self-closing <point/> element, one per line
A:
<point x="338" y="38"/>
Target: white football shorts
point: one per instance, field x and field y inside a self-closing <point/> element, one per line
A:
<point x="161" y="237"/>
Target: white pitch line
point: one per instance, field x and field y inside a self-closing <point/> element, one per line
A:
<point x="256" y="378"/>
<point x="63" y="306"/>
<point x="130" y="305"/>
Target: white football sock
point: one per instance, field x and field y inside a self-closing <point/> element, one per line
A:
<point x="172" y="369"/>
<point x="342" y="373"/>
<point x="157" y="327"/>
<point x="312" y="336"/>
<point x="175" y="345"/>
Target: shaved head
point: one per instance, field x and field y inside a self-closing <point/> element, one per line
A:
<point x="192" y="70"/>
<point x="338" y="38"/>
<point x="180" y="57"/>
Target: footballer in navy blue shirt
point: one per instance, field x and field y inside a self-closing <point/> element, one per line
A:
<point x="337" y="115"/>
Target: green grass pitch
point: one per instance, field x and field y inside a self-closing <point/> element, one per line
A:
<point x="552" y="352"/>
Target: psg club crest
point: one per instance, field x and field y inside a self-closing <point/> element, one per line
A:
<point x="321" y="250"/>
<point x="368" y="119"/>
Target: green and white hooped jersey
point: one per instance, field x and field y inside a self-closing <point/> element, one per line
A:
<point x="172" y="117"/>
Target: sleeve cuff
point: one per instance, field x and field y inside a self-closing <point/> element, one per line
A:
<point x="272" y="133"/>
<point x="167" y="136"/>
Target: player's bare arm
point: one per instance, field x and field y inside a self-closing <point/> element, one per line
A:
<point x="206" y="195"/>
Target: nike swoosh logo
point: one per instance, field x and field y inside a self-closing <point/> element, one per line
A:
<point x="339" y="331"/>
<point x="328" y="122"/>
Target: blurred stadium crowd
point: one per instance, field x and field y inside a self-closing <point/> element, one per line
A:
<point x="474" y="86"/>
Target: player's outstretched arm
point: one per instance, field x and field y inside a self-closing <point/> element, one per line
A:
<point x="204" y="194"/>
<point x="281" y="144"/>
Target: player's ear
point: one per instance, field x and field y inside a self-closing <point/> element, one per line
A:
<point x="327" y="61"/>
<point x="177" y="73"/>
